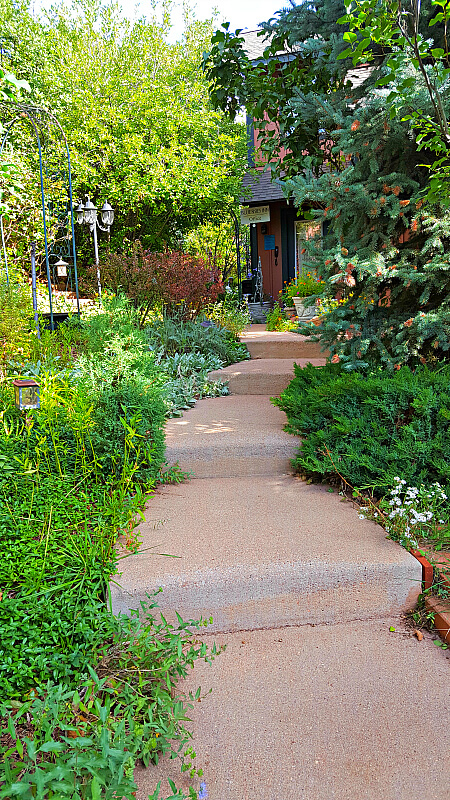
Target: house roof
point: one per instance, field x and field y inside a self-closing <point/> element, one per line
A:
<point x="255" y="45"/>
<point x="263" y="189"/>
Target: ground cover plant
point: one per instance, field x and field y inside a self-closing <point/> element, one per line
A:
<point x="370" y="430"/>
<point x="86" y="694"/>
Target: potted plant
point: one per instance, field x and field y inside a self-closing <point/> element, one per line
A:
<point x="298" y="293"/>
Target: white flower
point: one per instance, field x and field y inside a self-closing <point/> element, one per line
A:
<point x="361" y="516"/>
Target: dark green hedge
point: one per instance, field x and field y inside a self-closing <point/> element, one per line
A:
<point x="375" y="427"/>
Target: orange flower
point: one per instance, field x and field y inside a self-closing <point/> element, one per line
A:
<point x="344" y="251"/>
<point x="405" y="202"/>
<point x="396" y="190"/>
<point x="408" y="322"/>
<point x="414" y="225"/>
<point x="386" y="188"/>
<point x="335" y="359"/>
<point x="419" y="204"/>
<point x="382" y="200"/>
<point x="355" y="125"/>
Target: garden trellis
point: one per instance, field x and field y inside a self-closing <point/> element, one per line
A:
<point x="55" y="180"/>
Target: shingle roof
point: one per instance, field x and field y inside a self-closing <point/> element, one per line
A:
<point x="262" y="188"/>
<point x="254" y="44"/>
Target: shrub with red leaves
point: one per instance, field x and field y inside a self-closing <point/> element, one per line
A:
<point x="179" y="281"/>
<point x="184" y="281"/>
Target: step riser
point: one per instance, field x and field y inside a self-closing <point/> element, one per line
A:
<point x="231" y="466"/>
<point x="285" y="350"/>
<point x="261" y="376"/>
<point x="296" y="594"/>
<point x="271" y="385"/>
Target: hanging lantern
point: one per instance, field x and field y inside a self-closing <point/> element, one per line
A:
<point x="26" y="394"/>
<point x="90" y="212"/>
<point x="61" y="268"/>
<point x="79" y="213"/>
<point x="107" y="214"/>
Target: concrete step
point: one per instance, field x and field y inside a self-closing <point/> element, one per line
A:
<point x="267" y="376"/>
<point x="231" y="437"/>
<point x="264" y="552"/>
<point x="342" y="712"/>
<point x="279" y="344"/>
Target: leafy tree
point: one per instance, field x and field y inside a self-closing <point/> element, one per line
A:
<point x="395" y="29"/>
<point x="356" y="167"/>
<point x="10" y="90"/>
<point x="136" y="111"/>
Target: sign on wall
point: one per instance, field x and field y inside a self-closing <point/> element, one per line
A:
<point x="251" y="214"/>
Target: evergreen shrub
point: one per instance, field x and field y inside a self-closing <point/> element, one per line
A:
<point x="371" y="428"/>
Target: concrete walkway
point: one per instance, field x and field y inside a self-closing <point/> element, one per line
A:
<point x="314" y="697"/>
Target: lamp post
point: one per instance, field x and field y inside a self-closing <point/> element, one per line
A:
<point x="238" y="252"/>
<point x="87" y="214"/>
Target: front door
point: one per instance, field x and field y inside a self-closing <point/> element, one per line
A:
<point x="288" y="217"/>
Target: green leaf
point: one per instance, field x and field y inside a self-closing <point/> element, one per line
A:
<point x="386" y="79"/>
<point x="52" y="746"/>
<point x="345" y="53"/>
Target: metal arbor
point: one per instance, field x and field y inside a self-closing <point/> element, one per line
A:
<point x="55" y="179"/>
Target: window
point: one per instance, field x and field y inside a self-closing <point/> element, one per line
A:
<point x="304" y="231"/>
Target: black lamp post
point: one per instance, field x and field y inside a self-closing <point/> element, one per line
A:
<point x="238" y="252"/>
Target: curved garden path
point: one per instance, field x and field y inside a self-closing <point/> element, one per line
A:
<point x="314" y="698"/>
